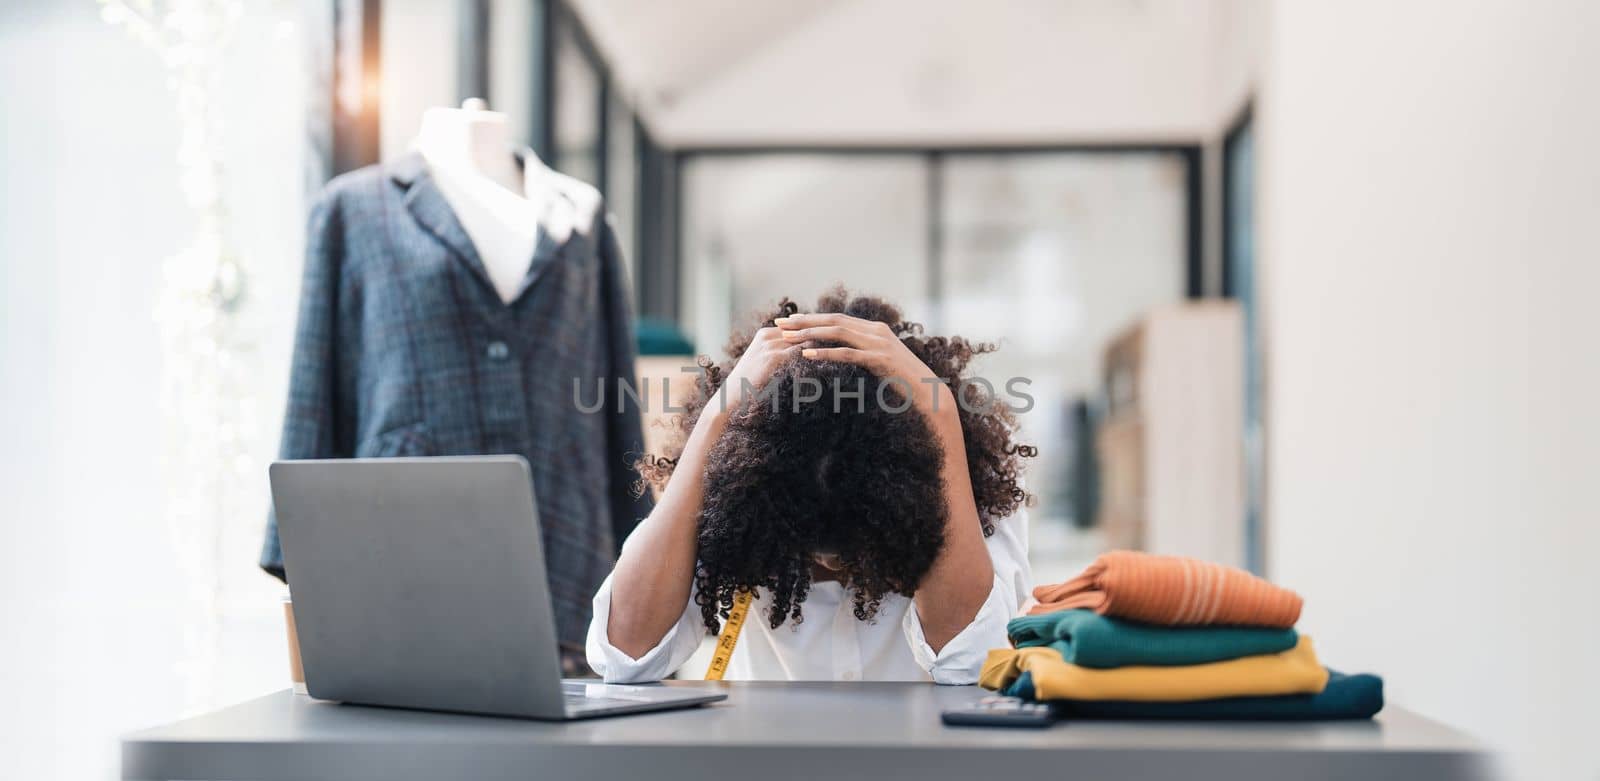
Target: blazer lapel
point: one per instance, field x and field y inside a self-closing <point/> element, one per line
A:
<point x="428" y="206"/>
<point x="555" y="222"/>
<point x="554" y="232"/>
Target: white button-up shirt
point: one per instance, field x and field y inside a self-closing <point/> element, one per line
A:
<point x="503" y="225"/>
<point x="830" y="644"/>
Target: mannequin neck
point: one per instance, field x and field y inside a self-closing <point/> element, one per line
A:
<point x="472" y="141"/>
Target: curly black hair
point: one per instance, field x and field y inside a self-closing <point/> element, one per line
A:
<point x="843" y="474"/>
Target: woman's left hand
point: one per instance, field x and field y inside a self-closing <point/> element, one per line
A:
<point x="872" y="345"/>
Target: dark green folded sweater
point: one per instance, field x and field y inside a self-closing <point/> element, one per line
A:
<point x="1345" y="697"/>
<point x="1088" y="639"/>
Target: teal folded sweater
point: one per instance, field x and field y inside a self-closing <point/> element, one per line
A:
<point x="1088" y="639"/>
<point x="1345" y="697"/>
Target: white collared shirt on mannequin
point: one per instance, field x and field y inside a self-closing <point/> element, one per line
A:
<point x="503" y="225"/>
<point x="830" y="644"/>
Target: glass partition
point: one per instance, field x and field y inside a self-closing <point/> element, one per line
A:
<point x="758" y="227"/>
<point x="622" y="178"/>
<point x="578" y="91"/>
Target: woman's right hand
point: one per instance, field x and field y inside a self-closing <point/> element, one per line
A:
<point x="651" y="584"/>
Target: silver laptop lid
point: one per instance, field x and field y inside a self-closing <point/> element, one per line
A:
<point x="420" y="583"/>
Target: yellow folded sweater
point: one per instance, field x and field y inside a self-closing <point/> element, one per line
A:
<point x="1295" y="671"/>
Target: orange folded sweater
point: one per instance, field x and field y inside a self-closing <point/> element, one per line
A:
<point x="1171" y="590"/>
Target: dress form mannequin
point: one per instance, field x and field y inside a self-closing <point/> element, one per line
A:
<point x="498" y="202"/>
<point x="471" y="139"/>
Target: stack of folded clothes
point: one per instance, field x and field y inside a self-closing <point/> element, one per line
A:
<point x="1165" y="637"/>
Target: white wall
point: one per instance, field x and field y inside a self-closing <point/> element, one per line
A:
<point x="94" y="603"/>
<point x="1429" y="200"/>
<point x="1237" y="33"/>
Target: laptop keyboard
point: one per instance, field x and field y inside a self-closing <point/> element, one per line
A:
<point x="581" y="696"/>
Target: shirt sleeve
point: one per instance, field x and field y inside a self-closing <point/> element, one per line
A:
<point x="616" y="666"/>
<point x="959" y="662"/>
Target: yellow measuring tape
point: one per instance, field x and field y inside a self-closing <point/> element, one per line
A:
<point x="729" y="637"/>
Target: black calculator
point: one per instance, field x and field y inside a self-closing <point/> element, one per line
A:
<point x="995" y="711"/>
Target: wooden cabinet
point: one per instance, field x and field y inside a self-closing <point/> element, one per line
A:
<point x="1171" y="443"/>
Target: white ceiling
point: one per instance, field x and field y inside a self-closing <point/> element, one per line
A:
<point x="721" y="72"/>
<point x="662" y="48"/>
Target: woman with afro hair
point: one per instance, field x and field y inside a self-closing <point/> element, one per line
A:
<point x="829" y="469"/>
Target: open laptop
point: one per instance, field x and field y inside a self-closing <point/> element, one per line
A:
<point x="420" y="583"/>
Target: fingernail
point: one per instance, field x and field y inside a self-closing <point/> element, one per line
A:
<point x="782" y="321"/>
<point x="793" y="336"/>
<point x="808" y="353"/>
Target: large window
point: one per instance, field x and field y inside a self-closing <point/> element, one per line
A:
<point x="513" y="65"/>
<point x="593" y="135"/>
<point x="1239" y="282"/>
<point x="1049" y="255"/>
<point x="578" y="89"/>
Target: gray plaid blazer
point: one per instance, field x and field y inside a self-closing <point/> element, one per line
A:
<point x="403" y="348"/>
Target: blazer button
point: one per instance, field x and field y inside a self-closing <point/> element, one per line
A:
<point x="498" y="351"/>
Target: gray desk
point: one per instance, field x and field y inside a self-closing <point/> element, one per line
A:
<point x="773" y="731"/>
